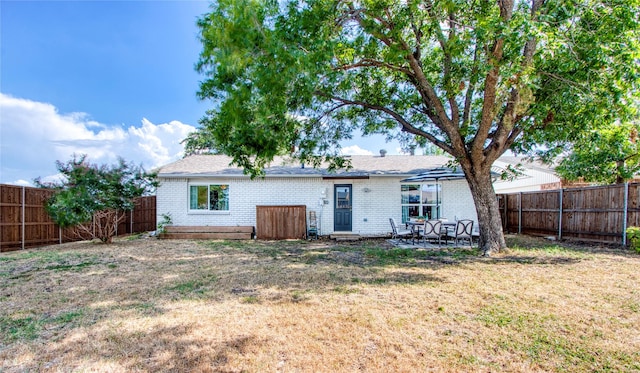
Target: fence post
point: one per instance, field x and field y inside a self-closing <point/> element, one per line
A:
<point x="22" y="208"/>
<point x="626" y="210"/>
<point x="520" y="213"/>
<point x="560" y="216"/>
<point x="505" y="222"/>
<point x="131" y="221"/>
<point x="60" y="235"/>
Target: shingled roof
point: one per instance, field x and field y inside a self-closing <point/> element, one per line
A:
<point x="362" y="165"/>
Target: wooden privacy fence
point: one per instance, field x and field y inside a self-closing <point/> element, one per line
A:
<point x="600" y="213"/>
<point x="281" y="222"/>
<point x="24" y="222"/>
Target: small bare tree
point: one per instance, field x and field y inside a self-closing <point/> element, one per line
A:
<point x="103" y="226"/>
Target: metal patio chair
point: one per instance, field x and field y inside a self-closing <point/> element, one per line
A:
<point x="432" y="230"/>
<point x="399" y="233"/>
<point x="464" y="231"/>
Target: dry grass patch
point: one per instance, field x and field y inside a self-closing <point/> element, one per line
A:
<point x="151" y="305"/>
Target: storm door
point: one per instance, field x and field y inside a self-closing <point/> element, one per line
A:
<point x="342" y="208"/>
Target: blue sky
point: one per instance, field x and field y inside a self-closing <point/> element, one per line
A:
<point x="103" y="78"/>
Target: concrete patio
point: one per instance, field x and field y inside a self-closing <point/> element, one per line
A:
<point x="406" y="244"/>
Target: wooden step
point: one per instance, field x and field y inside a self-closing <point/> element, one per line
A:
<point x="208" y="232"/>
<point x="345" y="236"/>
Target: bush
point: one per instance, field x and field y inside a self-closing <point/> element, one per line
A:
<point x="92" y="198"/>
<point x="633" y="234"/>
<point x="166" y="220"/>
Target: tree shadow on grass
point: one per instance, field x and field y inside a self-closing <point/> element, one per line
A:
<point x="510" y="259"/>
<point x="537" y="244"/>
<point x="176" y="348"/>
<point x="379" y="253"/>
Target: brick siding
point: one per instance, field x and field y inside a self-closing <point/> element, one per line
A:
<point x="375" y="200"/>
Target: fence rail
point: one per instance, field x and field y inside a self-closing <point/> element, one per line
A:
<point x="24" y="221"/>
<point x="599" y="214"/>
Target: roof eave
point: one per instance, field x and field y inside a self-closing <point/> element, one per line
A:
<point x="319" y="176"/>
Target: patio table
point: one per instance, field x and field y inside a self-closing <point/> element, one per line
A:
<point x="448" y="224"/>
<point x="414" y="225"/>
<point x="448" y="228"/>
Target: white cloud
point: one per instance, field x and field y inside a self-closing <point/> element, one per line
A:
<point x="21" y="183"/>
<point x="355" y="150"/>
<point x="33" y="135"/>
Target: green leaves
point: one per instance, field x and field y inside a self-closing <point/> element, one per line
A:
<point x="474" y="78"/>
<point x="88" y="188"/>
<point x="349" y="65"/>
<point x="609" y="155"/>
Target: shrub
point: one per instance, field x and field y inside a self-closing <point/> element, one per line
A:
<point x="633" y="234"/>
<point x="166" y="220"/>
<point x="92" y="198"/>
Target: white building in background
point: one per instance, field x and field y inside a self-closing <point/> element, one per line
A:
<point x="535" y="176"/>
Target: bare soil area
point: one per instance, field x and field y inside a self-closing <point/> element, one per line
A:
<point x="148" y="305"/>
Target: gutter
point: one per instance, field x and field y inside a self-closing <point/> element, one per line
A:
<point x="279" y="176"/>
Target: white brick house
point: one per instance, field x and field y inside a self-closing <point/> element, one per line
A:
<point x="204" y="190"/>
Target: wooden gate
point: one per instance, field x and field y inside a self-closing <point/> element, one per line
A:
<point x="281" y="222"/>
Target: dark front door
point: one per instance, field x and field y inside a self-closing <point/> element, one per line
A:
<point x="342" y="210"/>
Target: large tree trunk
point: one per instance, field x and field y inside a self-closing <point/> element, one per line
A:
<point x="488" y="210"/>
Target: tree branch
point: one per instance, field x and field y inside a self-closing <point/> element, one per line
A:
<point x="367" y="62"/>
<point x="513" y="136"/>
<point x="490" y="86"/>
<point x="509" y="117"/>
<point x="437" y="112"/>
<point x="356" y="15"/>
<point x="418" y="37"/>
<point x="427" y="92"/>
<point x="455" y="110"/>
<point x="564" y="80"/>
<point x="489" y="101"/>
<point x="404" y="124"/>
<point x="331" y="110"/>
<point x="468" y="100"/>
<point x="443" y="41"/>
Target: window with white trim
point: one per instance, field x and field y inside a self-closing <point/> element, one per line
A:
<point x="420" y="200"/>
<point x="211" y="197"/>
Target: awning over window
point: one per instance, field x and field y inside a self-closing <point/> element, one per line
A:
<point x="436" y="174"/>
<point x="441" y="173"/>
